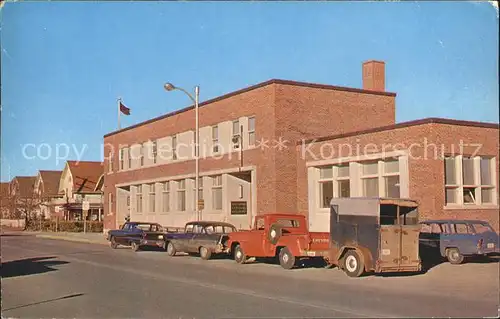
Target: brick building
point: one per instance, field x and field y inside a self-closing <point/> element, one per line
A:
<point x="249" y="161"/>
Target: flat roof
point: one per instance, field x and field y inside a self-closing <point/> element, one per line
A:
<point x="428" y="120"/>
<point x="250" y="88"/>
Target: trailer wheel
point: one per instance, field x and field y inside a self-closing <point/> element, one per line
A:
<point x="454" y="256"/>
<point x="274" y="234"/>
<point x="239" y="255"/>
<point x="287" y="259"/>
<point x="352" y="264"/>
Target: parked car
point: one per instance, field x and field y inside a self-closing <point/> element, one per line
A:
<point x="277" y="235"/>
<point x="137" y="234"/>
<point x="202" y="237"/>
<point x="457" y="239"/>
<point x="366" y="234"/>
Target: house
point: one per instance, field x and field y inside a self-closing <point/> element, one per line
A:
<point x="80" y="182"/>
<point x="4" y="199"/>
<point x="250" y="163"/>
<point x="47" y="190"/>
<point x="24" y="201"/>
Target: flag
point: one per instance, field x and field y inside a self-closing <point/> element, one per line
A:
<point x="125" y="110"/>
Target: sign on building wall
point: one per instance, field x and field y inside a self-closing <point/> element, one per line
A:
<point x="238" y="208"/>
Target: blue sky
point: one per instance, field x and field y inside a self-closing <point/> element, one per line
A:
<point x="65" y="63"/>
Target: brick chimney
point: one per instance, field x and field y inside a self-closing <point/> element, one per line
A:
<point x="374" y="75"/>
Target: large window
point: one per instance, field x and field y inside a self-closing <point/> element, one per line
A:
<point x="174" y="147"/>
<point x="141" y="154"/>
<point x="152" y="195"/>
<point x="215" y="139"/>
<point x="217" y="192"/>
<point x="121" y="158"/>
<point x="181" y="195"/>
<point x="469" y="180"/>
<point x="165" y="197"/>
<point x="391" y="178"/>
<point x="236" y="134"/>
<point x="154" y="147"/>
<point x="138" y="199"/>
<point x="334" y="182"/>
<point x="369" y="177"/>
<point x="251" y="131"/>
<point x="129" y="157"/>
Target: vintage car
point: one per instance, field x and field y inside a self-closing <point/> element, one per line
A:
<point x="457" y="239"/>
<point x="137" y="234"/>
<point x="205" y="238"/>
<point x="280" y="235"/>
<point x="366" y="234"/>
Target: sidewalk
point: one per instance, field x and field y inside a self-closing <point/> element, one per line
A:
<point x="91" y="238"/>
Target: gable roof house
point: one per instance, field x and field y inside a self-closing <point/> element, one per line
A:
<point x="4" y="199"/>
<point x="47" y="190"/>
<point x="23" y="198"/>
<point x="81" y="181"/>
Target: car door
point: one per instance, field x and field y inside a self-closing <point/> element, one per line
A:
<point x="181" y="241"/>
<point x="122" y="234"/>
<point x="193" y="241"/>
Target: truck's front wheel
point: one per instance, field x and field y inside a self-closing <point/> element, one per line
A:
<point x="287" y="259"/>
<point x="239" y="255"/>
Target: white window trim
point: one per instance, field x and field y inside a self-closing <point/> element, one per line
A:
<point x="251" y="131"/>
<point x="216" y="186"/>
<point x="152" y="193"/>
<point x="236" y="135"/>
<point x="165" y="191"/>
<point x="459" y="186"/>
<point x="215" y="140"/>
<point x="181" y="190"/>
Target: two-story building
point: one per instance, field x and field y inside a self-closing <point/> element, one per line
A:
<point x="81" y="181"/>
<point x="47" y="191"/>
<point x="250" y="162"/>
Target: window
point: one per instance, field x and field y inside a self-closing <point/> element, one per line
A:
<point x="174" y="147"/>
<point x="215" y="139"/>
<point x="200" y="191"/>
<point x="141" y="154"/>
<point x="154" y="151"/>
<point x="217" y="192"/>
<point x="138" y="197"/>
<point x="391" y="178"/>
<point x="370" y="179"/>
<point x="121" y="159"/>
<point x="129" y="157"/>
<point x="334" y="182"/>
<point x="165" y="197"/>
<point x="251" y="131"/>
<point x="152" y="195"/>
<point x="326" y="186"/>
<point x="343" y="184"/>
<point x="236" y="134"/>
<point x="181" y="195"/>
<point x="110" y="163"/>
<point x="469" y="180"/>
<point x="110" y="203"/>
<point x="290" y="223"/>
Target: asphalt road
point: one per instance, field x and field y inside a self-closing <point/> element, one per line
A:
<point x="44" y="278"/>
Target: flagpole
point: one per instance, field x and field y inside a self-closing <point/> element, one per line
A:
<point x="119" y="101"/>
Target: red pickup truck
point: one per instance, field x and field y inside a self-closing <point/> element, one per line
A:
<point x="283" y="235"/>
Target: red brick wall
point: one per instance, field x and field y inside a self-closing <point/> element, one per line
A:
<point x="426" y="174"/>
<point x="303" y="112"/>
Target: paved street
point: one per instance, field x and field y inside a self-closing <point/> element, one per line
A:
<point x="53" y="278"/>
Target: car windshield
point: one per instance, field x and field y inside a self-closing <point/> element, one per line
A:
<point x="149" y="227"/>
<point x="482" y="228"/>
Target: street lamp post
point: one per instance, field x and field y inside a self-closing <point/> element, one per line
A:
<point x="195" y="99"/>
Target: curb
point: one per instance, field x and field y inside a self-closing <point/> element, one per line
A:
<point x="80" y="240"/>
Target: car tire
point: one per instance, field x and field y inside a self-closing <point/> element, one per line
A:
<point x="239" y="255"/>
<point x="287" y="259"/>
<point x="352" y="264"/>
<point x="454" y="256"/>
<point x="171" y="251"/>
<point x="113" y="243"/>
<point x="135" y="246"/>
<point x="205" y="253"/>
<point x="274" y="233"/>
